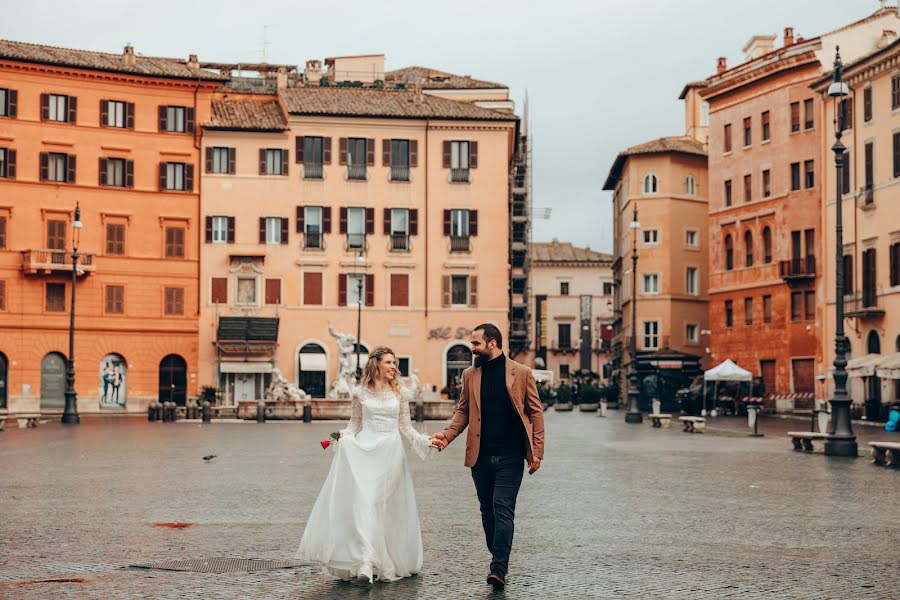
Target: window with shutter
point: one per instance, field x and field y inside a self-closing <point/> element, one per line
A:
<point x="312" y="289"/>
<point x="174" y="242"/>
<point x="399" y="289"/>
<point x="357" y="157"/>
<point x="273" y="291"/>
<point x="2" y="294"/>
<point x="56" y="235"/>
<point x="115" y="239"/>
<point x="55" y="297"/>
<point x="445" y="291"/>
<point x="867" y="104"/>
<point x="115" y="299"/>
<point x="2" y="232"/>
<point x="727" y="137"/>
<point x="795" y="117"/>
<point x="848" y="274"/>
<point x="369" y="288"/>
<point x="219" y="290"/>
<point x="174" y="301"/>
<point x="7" y="163"/>
<point x="397" y="155"/>
<point x="342" y="290"/>
<point x="460" y="161"/>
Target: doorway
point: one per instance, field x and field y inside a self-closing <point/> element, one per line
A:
<point x="173" y="380"/>
<point x="873" y="383"/>
<point x="459" y="358"/>
<point x="312" y="365"/>
<point x="4" y="374"/>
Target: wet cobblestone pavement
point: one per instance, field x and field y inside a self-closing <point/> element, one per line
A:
<point x="617" y="511"/>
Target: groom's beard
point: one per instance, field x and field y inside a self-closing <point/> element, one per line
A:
<point x="480" y="360"/>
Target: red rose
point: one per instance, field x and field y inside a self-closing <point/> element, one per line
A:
<point x="325" y="444"/>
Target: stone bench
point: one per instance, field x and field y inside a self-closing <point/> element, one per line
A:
<point x="660" y="419"/>
<point x="693" y="424"/>
<point x="803" y="440"/>
<point x="26" y="420"/>
<point x="886" y="453"/>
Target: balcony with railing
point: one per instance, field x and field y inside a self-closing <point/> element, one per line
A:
<point x="313" y="240"/>
<point x="459" y="175"/>
<point x="399" y="173"/>
<point x="36" y="262"/>
<point x="399" y="242"/>
<point x="866" y="305"/>
<point x="459" y="243"/>
<point x="867" y="197"/>
<point x="313" y="171"/>
<point x="798" y="269"/>
<point x="356" y="241"/>
<point x="356" y="172"/>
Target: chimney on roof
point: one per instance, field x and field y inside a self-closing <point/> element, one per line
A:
<point x="193" y="62"/>
<point x="721" y="64"/>
<point x="758" y="45"/>
<point x="888" y="37"/>
<point x="313" y="71"/>
<point x="788" y="36"/>
<point x="281" y="77"/>
<point x="128" y="55"/>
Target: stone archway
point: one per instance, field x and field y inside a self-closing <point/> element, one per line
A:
<point x="458" y="358"/>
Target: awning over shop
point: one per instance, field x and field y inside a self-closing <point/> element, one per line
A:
<point x="245" y="367"/>
<point x="863" y="366"/>
<point x="889" y="366"/>
<point x="247" y="336"/>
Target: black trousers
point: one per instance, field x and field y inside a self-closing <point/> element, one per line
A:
<point x="497" y="481"/>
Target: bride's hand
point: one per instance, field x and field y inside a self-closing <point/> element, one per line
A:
<point x="439" y="441"/>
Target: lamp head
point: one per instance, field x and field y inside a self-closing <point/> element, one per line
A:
<point x="838" y="89"/>
<point x="77" y="224"/>
<point x="634" y="225"/>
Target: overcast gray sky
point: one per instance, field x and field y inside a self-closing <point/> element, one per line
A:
<point x="601" y="75"/>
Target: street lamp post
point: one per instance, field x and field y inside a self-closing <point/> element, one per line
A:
<point x="70" y="414"/>
<point x="359" y="303"/>
<point x="634" y="414"/>
<point x="840" y="441"/>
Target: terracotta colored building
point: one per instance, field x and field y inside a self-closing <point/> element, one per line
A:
<point x="116" y="135"/>
<point x="666" y="179"/>
<point x="871" y="238"/>
<point x="766" y="168"/>
<point x="321" y="193"/>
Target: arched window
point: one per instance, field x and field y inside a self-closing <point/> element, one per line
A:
<point x="896" y="344"/>
<point x="651" y="184"/>
<point x="767" y="245"/>
<point x="748" y="249"/>
<point x="729" y="253"/>
<point x="873" y="343"/>
<point x="690" y="185"/>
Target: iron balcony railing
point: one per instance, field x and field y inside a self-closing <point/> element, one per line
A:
<point x="356" y="171"/>
<point x="313" y="171"/>
<point x="313" y="239"/>
<point x="459" y="243"/>
<point x="399" y="173"/>
<point x="459" y="175"/>
<point x="798" y="268"/>
<point x="868" y="194"/>
<point x="399" y="242"/>
<point x="356" y="241"/>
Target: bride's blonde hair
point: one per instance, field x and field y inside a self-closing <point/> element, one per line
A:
<point x="371" y="374"/>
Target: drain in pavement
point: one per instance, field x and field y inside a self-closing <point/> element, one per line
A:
<point x="221" y="565"/>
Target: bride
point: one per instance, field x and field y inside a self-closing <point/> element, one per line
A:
<point x="364" y="524"/>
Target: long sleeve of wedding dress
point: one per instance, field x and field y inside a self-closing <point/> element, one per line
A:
<point x="356" y="415"/>
<point x="419" y="442"/>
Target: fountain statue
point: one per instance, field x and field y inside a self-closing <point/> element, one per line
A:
<point x="280" y="391"/>
<point x="346" y="377"/>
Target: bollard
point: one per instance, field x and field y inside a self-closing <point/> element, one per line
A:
<point x="420" y="412"/>
<point x="191" y="409"/>
<point x="753" y="409"/>
<point x="169" y="412"/>
<point x="151" y="416"/>
<point x="261" y="411"/>
<point x="307" y="412"/>
<point x="604" y="406"/>
<point x="207" y="412"/>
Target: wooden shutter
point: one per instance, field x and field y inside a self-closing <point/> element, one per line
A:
<point x="209" y="160"/>
<point x="72" y="106"/>
<point x="326" y="150"/>
<point x="285" y="157"/>
<point x="370" y="221"/>
<point x="162" y="176"/>
<point x="45" y="107"/>
<point x="473" y="222"/>
<point x="414" y="221"/>
<point x="262" y="230"/>
<point x="45" y="166"/>
<point x="343" y="221"/>
<point x="413" y="153"/>
<point x="2" y="295"/>
<point x="473" y="291"/>
<point x="163" y="118"/>
<point x="220" y="290"/>
<point x="189" y="178"/>
<point x="386" y="153"/>
<point x="103" y="165"/>
<point x="387" y="221"/>
<point x="312" y="288"/>
<point x="11" y="164"/>
<point x="104" y="113"/>
<point x="189" y="120"/>
<point x="284" y="230"/>
<point x="301" y="218"/>
<point x="230" y="231"/>
<point x="445" y="155"/>
<point x="399" y="289"/>
<point x="70" y="168"/>
<point x="299" y="148"/>
<point x="209" y="231"/>
<point x="370" y="152"/>
<point x="129" y="173"/>
<point x="445" y="291"/>
<point x="12" y="103"/>
<point x="370" y="289"/>
<point x="129" y="115"/>
<point x="342" y="151"/>
<point x="232" y="157"/>
<point x="262" y="161"/>
<point x="273" y="291"/>
<point x="326" y="219"/>
<point x="473" y="155"/>
<point x="446" y="222"/>
<point x="342" y="289"/>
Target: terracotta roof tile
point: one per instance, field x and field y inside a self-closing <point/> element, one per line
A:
<point x="559" y="252"/>
<point x="686" y="145"/>
<point x="368" y="102"/>
<point x="252" y="115"/>
<point x="434" y="79"/>
<point x="102" y="61"/>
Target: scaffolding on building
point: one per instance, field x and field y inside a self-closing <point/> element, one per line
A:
<point x="520" y="208"/>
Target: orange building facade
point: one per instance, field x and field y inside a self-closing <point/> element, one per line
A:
<point x="118" y="137"/>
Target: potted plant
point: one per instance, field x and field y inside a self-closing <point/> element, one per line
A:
<point x="208" y="393"/>
<point x="563" y="398"/>
<point x="590" y="397"/>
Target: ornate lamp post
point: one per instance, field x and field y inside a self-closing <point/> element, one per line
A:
<point x="634" y="414"/>
<point x="70" y="414"/>
<point x="359" y="302"/>
<point x="840" y="441"/>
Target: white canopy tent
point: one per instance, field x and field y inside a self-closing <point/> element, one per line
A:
<point x="728" y="371"/>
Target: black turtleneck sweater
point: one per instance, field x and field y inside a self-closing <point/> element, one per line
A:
<point x="502" y="432"/>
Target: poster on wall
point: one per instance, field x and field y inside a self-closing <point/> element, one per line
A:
<point x="113" y="381"/>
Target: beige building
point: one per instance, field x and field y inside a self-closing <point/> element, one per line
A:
<point x="326" y="196"/>
<point x="666" y="179"/>
<point x="871" y="234"/>
<point x="572" y="292"/>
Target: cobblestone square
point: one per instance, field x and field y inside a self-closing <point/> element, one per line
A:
<point x="617" y="511"/>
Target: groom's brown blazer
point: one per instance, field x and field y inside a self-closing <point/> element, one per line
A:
<point x="523" y="393"/>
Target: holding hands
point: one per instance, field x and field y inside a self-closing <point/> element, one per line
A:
<point x="439" y="441"/>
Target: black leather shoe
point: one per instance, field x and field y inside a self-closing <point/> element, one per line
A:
<point x="497" y="581"/>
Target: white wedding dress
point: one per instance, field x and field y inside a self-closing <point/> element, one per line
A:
<point x="364" y="522"/>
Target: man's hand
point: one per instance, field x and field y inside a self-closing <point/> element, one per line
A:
<point x="534" y="466"/>
<point x="439" y="441"/>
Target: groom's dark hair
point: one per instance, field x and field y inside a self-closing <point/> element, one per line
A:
<point x="491" y="333"/>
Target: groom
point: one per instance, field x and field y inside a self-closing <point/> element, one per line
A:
<point x="499" y="402"/>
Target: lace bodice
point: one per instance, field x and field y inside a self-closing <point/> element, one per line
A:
<point x="383" y="413"/>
